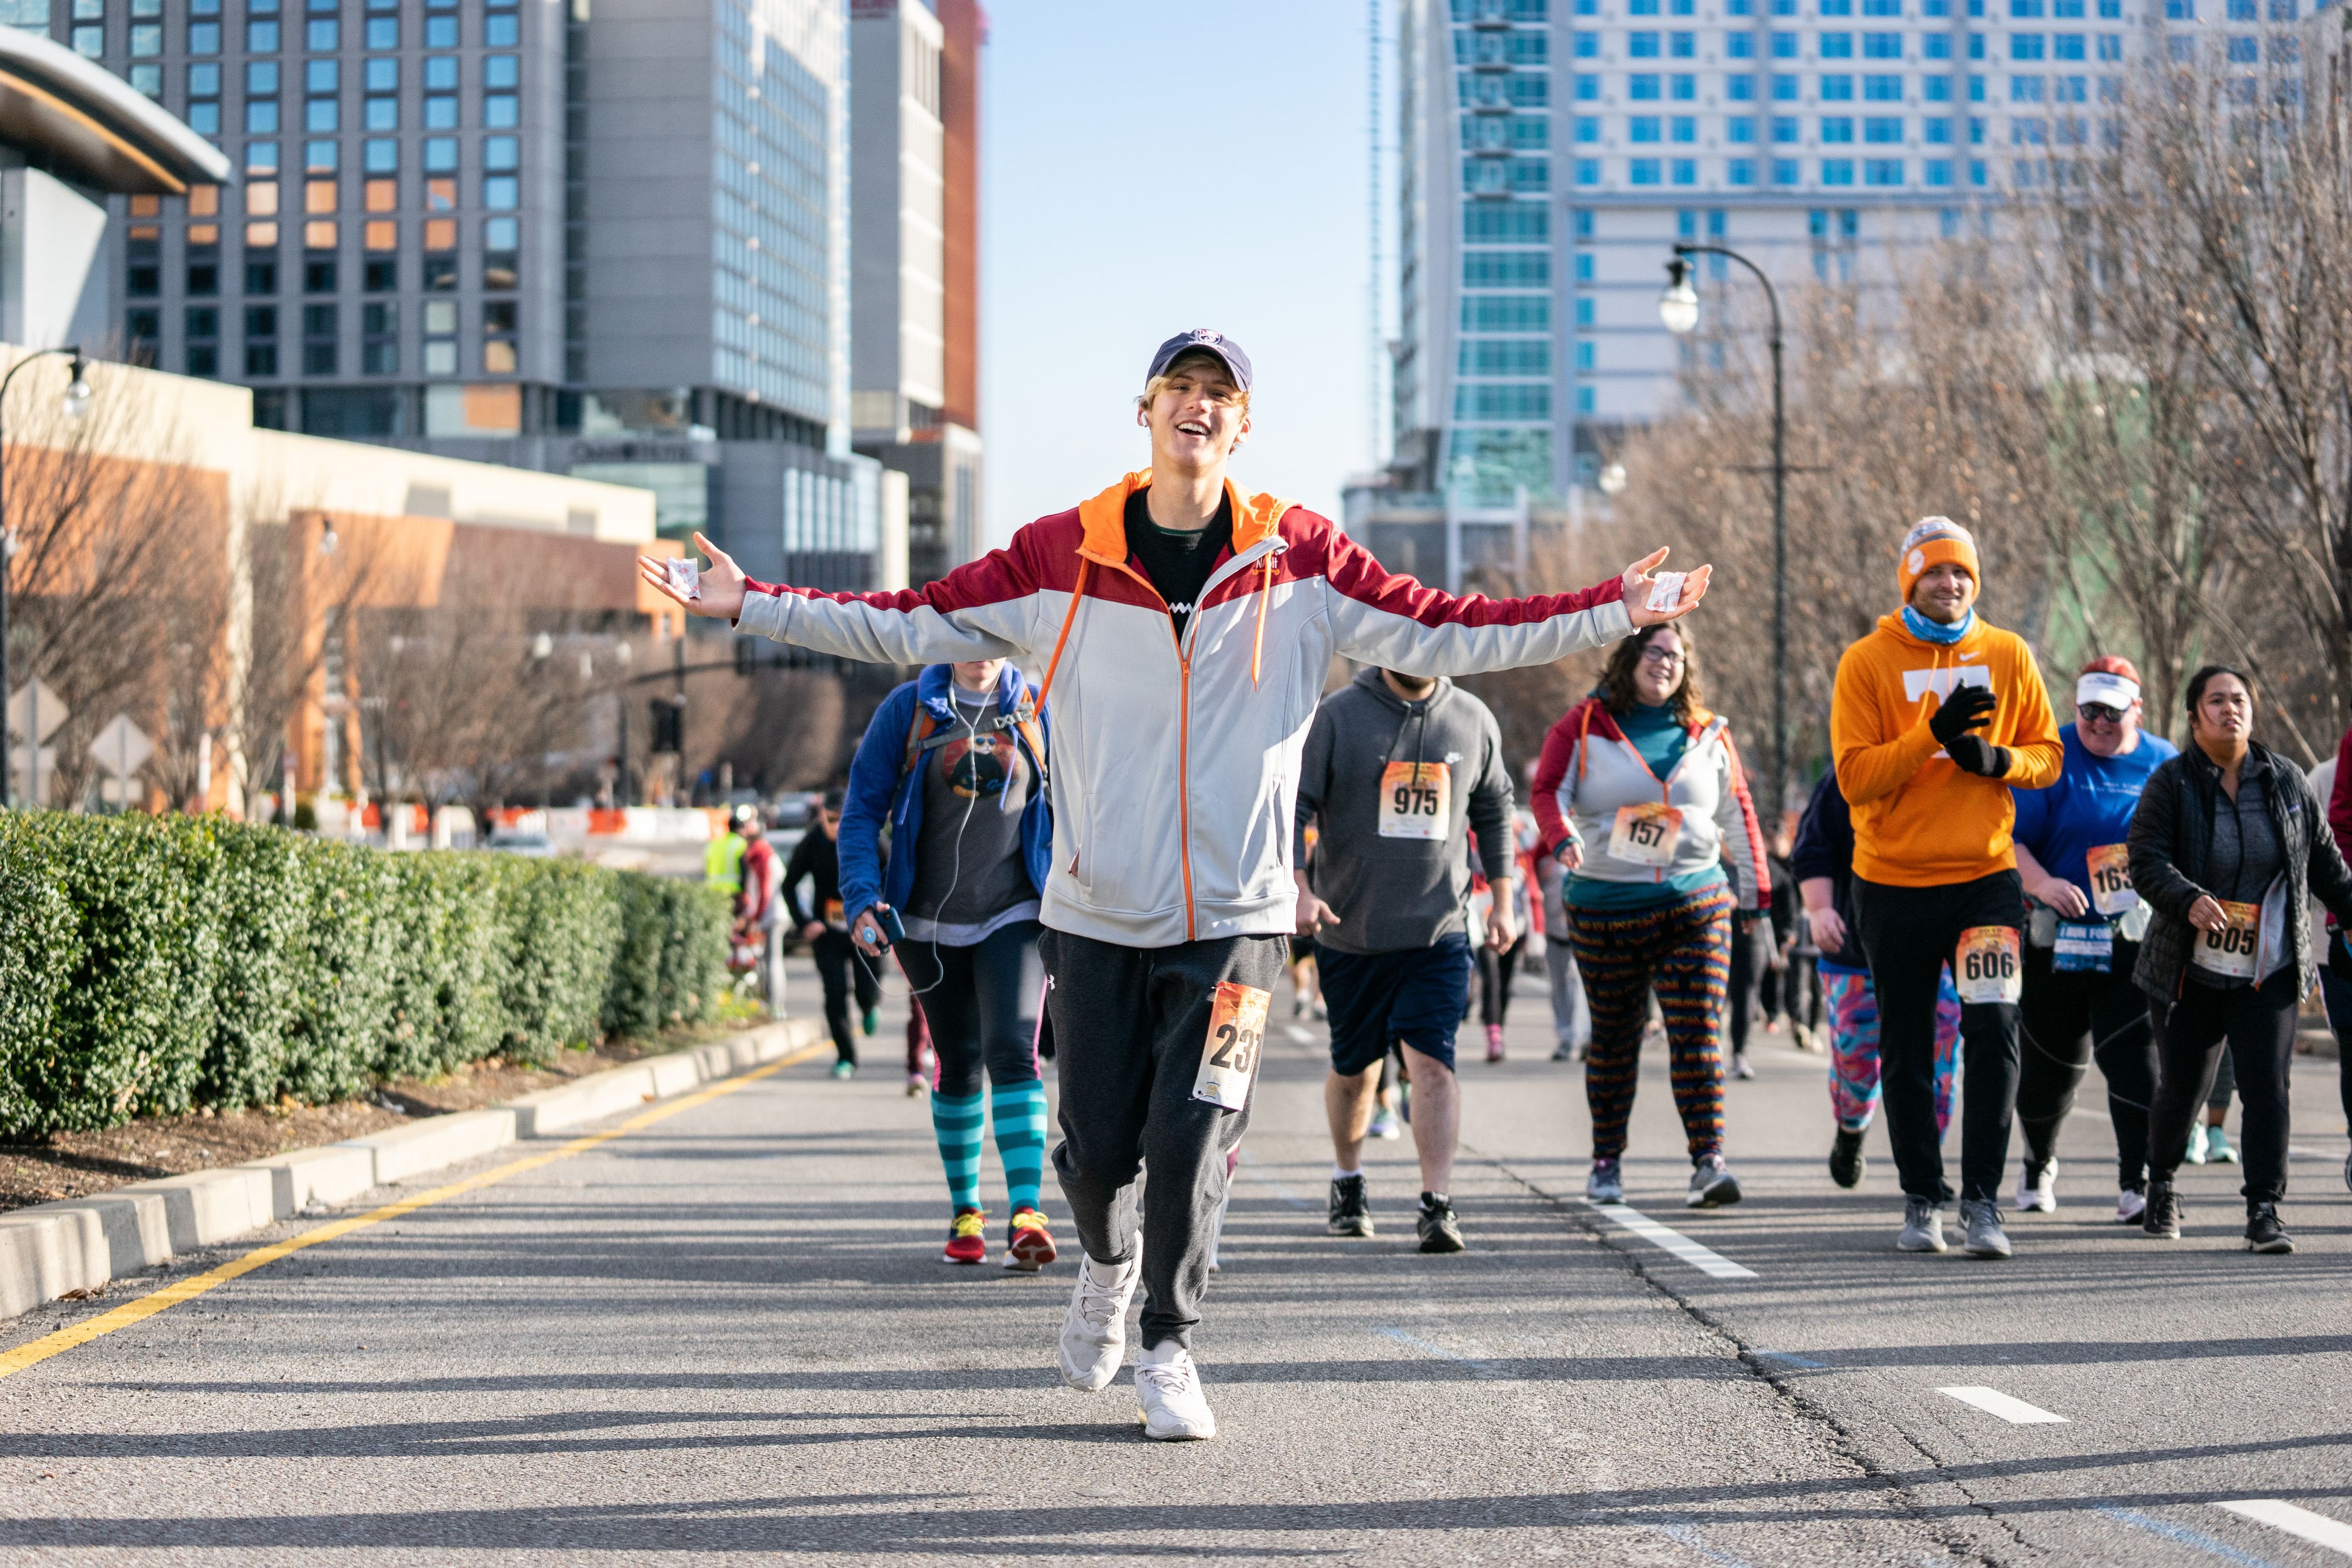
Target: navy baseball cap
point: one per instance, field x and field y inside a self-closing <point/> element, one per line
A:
<point x="1201" y="338"/>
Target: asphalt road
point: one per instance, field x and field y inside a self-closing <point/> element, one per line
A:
<point x="727" y="1337"/>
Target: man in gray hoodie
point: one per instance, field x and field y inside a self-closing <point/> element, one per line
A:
<point x="1399" y="769"/>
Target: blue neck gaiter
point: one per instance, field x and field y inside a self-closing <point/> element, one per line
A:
<point x="1925" y="630"/>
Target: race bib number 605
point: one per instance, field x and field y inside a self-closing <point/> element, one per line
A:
<point x="1985" y="968"/>
<point x="1229" y="1056"/>
<point x="2231" y="950"/>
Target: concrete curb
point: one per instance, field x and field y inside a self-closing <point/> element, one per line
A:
<point x="82" y="1244"/>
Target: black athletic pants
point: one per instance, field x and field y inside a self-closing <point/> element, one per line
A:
<point x="1132" y="1022"/>
<point x="2068" y="1018"/>
<point x="1909" y="934"/>
<point x="1494" y="972"/>
<point x="2258" y="1024"/>
<point x="974" y="998"/>
<point x="840" y="965"/>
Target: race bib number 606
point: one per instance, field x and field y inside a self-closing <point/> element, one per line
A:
<point x="1229" y="1056"/>
<point x="1985" y="967"/>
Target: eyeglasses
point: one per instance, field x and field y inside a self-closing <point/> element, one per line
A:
<point x="2099" y="712"/>
<point x="1669" y="656"/>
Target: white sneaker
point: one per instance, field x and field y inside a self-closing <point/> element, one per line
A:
<point x="2129" y="1206"/>
<point x="2037" y="1191"/>
<point x="1169" y="1385"/>
<point x="1094" y="1335"/>
<point x="1740" y="1068"/>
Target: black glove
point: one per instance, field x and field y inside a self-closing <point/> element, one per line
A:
<point x="1975" y="754"/>
<point x="1967" y="708"/>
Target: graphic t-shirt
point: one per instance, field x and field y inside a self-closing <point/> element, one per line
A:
<point x="1177" y="562"/>
<point x="970" y="876"/>
<point x="2090" y="807"/>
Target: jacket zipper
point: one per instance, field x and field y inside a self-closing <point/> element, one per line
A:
<point x="1183" y="738"/>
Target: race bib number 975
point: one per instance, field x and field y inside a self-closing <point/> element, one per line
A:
<point x="1413" y="800"/>
<point x="1985" y="968"/>
<point x="2231" y="950"/>
<point x="1229" y="1056"/>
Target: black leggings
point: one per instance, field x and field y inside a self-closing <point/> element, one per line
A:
<point x="1494" y="972"/>
<point x="839" y="964"/>
<point x="980" y="1010"/>
<point x="2065" y="1020"/>
<point x="2258" y="1024"/>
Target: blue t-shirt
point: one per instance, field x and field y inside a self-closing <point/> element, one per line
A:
<point x="1662" y="741"/>
<point x="2091" y="805"/>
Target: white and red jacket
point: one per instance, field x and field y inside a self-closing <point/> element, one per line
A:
<point x="1175" y="765"/>
<point x="1589" y="770"/>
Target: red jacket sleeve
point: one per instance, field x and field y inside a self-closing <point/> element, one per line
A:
<point x="1551" y="768"/>
<point x="2339" y="799"/>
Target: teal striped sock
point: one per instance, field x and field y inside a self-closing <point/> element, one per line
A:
<point x="1020" y="1114"/>
<point x="955" y="1119"/>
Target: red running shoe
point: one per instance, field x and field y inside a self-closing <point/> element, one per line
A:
<point x="968" y="1238"/>
<point x="1032" y="1247"/>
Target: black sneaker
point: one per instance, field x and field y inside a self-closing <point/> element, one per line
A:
<point x="2163" y="1215"/>
<point x="1351" y="1207"/>
<point x="1847" y="1164"/>
<point x="2263" y="1231"/>
<point x="1440" y="1231"/>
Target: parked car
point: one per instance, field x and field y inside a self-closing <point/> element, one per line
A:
<point x="533" y="845"/>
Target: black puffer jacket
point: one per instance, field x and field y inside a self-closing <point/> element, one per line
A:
<point x="2172" y="834"/>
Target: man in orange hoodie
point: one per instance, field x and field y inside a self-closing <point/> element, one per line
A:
<point x="1934" y="719"/>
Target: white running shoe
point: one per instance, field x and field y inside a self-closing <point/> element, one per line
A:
<point x="2037" y="1191"/>
<point x="1094" y="1335"/>
<point x="1740" y="1068"/>
<point x="2129" y="1206"/>
<point x="1169" y="1385"/>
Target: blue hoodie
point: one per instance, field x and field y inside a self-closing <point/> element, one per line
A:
<point x="880" y="789"/>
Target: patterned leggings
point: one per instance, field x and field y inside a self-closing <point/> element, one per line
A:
<point x="1854" y="1048"/>
<point x="1683" y="951"/>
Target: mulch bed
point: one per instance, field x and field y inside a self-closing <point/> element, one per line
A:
<point x="77" y="1164"/>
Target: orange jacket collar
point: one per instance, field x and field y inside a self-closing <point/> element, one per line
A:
<point x="1103" y="518"/>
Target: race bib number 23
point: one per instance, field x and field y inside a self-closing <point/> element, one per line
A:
<point x="1229" y="1056"/>
<point x="1985" y="967"/>
<point x="1413" y="800"/>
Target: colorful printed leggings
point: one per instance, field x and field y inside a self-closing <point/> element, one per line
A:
<point x="1854" y="1048"/>
<point x="1683" y="951"/>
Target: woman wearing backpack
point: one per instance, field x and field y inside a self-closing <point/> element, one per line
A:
<point x="954" y="762"/>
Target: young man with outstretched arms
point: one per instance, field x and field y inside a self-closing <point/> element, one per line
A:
<point x="1184" y="630"/>
<point x="1934" y="719"/>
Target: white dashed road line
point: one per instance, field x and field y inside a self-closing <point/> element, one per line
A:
<point x="2008" y="1407"/>
<point x="1297" y="1035"/>
<point x="1704" y="1259"/>
<point x="2316" y="1528"/>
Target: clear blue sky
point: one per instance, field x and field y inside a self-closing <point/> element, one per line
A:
<point x="1148" y="169"/>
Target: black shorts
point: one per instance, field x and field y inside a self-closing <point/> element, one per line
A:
<point x="1415" y="995"/>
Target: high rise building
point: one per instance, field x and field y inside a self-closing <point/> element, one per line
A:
<point x="1553" y="151"/>
<point x="611" y="243"/>
<point x="914" y="253"/>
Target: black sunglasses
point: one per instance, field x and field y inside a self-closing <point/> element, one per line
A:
<point x="2100" y="711"/>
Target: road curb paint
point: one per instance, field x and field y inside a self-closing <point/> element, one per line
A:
<point x="2316" y="1528"/>
<point x="1706" y="1260"/>
<point x="36" y="1352"/>
<point x="2008" y="1407"/>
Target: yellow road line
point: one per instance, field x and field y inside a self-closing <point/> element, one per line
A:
<point x="195" y="1285"/>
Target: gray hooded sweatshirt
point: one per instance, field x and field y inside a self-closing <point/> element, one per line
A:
<point x="1398" y="785"/>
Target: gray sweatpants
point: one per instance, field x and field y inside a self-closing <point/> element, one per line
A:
<point x="1571" y="1021"/>
<point x="1129" y="1024"/>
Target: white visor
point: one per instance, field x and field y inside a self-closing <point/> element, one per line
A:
<point x="2111" y="690"/>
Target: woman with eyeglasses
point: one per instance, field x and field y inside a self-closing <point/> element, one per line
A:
<point x="1642" y="797"/>
<point x="2083" y="928"/>
<point x="2229" y="847"/>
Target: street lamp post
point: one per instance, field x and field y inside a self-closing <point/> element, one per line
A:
<point x="77" y="404"/>
<point x="1678" y="307"/>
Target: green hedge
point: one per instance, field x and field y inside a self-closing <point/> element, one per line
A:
<point x="151" y="966"/>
